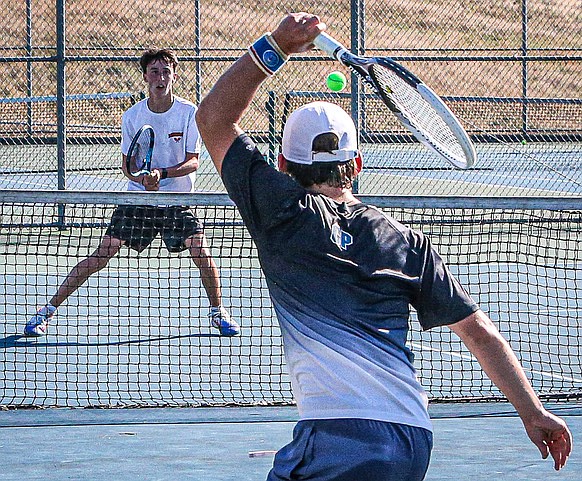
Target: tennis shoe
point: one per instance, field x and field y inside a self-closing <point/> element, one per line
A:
<point x="38" y="324"/>
<point x="221" y="320"/>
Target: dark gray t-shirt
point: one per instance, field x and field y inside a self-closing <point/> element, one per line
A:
<point x="342" y="279"/>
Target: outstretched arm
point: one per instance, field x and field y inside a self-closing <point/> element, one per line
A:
<point x="548" y="432"/>
<point x="221" y="110"/>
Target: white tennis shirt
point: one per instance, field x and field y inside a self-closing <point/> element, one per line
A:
<point x="176" y="134"/>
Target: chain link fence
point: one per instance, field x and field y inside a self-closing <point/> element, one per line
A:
<point x="510" y="70"/>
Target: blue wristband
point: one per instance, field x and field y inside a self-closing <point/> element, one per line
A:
<point x="267" y="54"/>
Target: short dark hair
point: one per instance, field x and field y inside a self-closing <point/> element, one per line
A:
<point x="334" y="174"/>
<point x="152" y="55"/>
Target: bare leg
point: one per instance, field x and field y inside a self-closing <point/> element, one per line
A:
<point x="209" y="274"/>
<point x="108" y="247"/>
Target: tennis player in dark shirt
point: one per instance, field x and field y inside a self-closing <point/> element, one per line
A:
<point x="343" y="277"/>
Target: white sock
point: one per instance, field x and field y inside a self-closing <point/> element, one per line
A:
<point x="47" y="310"/>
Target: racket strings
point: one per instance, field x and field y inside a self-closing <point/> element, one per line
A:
<point x="141" y="150"/>
<point x="417" y="112"/>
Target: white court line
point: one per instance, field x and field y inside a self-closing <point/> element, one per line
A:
<point x="458" y="355"/>
<point x="523" y="182"/>
<point x="555" y="376"/>
<point x="19" y="184"/>
<point x="261" y="454"/>
<point x="469" y="357"/>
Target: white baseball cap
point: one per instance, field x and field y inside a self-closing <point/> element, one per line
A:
<point x="311" y="120"/>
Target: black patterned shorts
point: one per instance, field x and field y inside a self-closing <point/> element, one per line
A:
<point x="138" y="225"/>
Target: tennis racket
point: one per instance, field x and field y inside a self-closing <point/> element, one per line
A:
<point x="415" y="105"/>
<point x="139" y="155"/>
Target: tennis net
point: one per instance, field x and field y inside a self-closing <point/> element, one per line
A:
<point x="137" y="332"/>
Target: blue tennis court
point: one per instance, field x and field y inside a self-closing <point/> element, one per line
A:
<point x="478" y="442"/>
<point x="186" y="403"/>
<point x="389" y="169"/>
<point x="132" y="383"/>
<point x="108" y="347"/>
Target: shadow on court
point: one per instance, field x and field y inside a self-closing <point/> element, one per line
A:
<point x="24" y="341"/>
<point x="472" y="441"/>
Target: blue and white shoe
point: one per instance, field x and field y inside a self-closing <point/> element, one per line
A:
<point x="38" y="324"/>
<point x="221" y="320"/>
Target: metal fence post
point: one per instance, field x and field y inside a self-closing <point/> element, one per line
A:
<point x="358" y="47"/>
<point x="524" y="68"/>
<point x="61" y="105"/>
<point x="272" y="135"/>
<point x="29" y="66"/>
<point x="198" y="50"/>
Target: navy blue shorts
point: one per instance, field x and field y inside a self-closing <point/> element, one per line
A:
<point x="353" y="450"/>
<point x="138" y="226"/>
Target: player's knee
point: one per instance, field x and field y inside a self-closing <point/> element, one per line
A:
<point x="198" y="247"/>
<point x="97" y="262"/>
<point x="200" y="256"/>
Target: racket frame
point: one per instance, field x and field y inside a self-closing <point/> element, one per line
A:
<point x="147" y="161"/>
<point x="361" y="66"/>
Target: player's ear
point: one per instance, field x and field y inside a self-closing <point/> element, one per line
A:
<point x="359" y="163"/>
<point x="282" y="162"/>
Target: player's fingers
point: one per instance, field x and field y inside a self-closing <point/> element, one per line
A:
<point x="542" y="447"/>
<point x="560" y="449"/>
<point x="151" y="179"/>
<point x="313" y="24"/>
<point x="296" y="32"/>
<point x="559" y="458"/>
<point x="304" y="17"/>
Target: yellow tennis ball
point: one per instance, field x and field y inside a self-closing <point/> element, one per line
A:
<point x="336" y="81"/>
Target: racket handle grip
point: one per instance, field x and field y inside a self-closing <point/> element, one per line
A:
<point x="330" y="45"/>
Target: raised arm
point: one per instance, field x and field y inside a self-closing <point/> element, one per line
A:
<point x="548" y="432"/>
<point x="221" y="110"/>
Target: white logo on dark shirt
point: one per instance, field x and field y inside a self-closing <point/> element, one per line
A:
<point x="340" y="237"/>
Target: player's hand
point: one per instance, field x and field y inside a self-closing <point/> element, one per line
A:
<point x="151" y="181"/>
<point x="297" y="31"/>
<point x="551" y="436"/>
